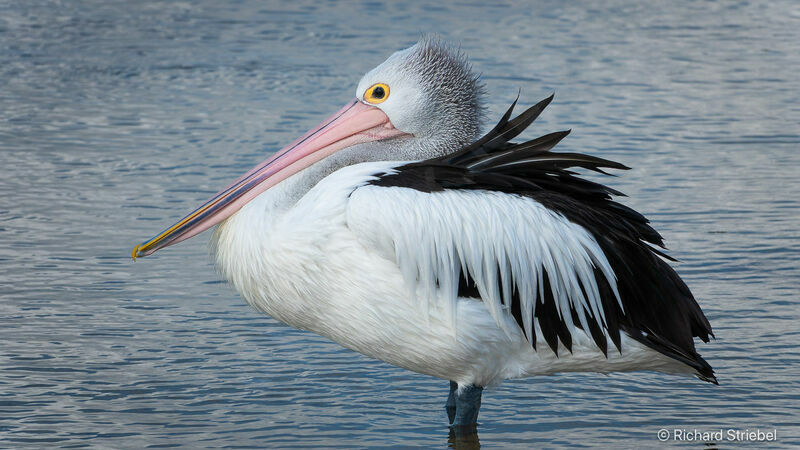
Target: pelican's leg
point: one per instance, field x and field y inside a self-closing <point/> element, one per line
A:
<point x="467" y="403"/>
<point x="450" y="406"/>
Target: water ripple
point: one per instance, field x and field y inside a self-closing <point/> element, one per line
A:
<point x="120" y="116"/>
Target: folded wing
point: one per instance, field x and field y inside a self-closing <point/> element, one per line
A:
<point x="513" y="225"/>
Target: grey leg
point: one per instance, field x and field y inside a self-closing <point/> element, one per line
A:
<point x="467" y="404"/>
<point x="450" y="406"/>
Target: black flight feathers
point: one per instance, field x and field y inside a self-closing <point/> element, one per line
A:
<point x="659" y="309"/>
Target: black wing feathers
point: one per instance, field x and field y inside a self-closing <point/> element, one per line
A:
<point x="658" y="309"/>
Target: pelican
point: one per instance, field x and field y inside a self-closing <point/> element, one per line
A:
<point x="398" y="231"/>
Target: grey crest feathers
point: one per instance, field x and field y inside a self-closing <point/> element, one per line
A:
<point x="454" y="91"/>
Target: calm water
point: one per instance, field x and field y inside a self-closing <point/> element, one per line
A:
<point x="118" y="117"/>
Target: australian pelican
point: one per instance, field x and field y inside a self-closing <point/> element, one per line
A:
<point x="396" y="230"/>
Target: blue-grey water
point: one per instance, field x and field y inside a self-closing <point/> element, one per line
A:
<point x="118" y="117"/>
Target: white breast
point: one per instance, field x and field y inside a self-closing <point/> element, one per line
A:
<point x="304" y="265"/>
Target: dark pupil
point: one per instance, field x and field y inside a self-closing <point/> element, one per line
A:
<point x="378" y="92"/>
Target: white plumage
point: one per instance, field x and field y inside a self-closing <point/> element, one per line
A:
<point x="359" y="264"/>
<point x="394" y="231"/>
<point x="434" y="237"/>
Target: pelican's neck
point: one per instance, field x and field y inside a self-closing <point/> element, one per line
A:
<point x="281" y="197"/>
<point x="237" y="238"/>
<point x="240" y="243"/>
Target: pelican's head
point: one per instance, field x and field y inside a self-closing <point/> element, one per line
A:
<point x="421" y="102"/>
<point x="428" y="91"/>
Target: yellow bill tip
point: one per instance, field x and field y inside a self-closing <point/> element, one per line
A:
<point x="134" y="252"/>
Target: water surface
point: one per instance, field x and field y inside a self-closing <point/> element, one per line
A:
<point x="118" y="117"/>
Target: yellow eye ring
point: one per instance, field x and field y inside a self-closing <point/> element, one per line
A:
<point x="377" y="93"/>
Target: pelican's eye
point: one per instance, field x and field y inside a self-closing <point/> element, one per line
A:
<point x="377" y="93"/>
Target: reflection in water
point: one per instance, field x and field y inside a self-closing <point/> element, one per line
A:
<point x="464" y="438"/>
<point x="118" y="116"/>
